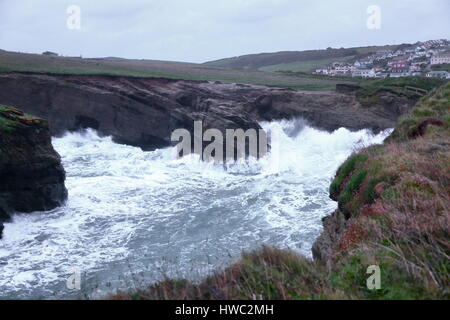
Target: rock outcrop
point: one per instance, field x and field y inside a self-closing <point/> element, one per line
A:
<point x="31" y="174"/>
<point x="144" y="111"/>
<point x="325" y="245"/>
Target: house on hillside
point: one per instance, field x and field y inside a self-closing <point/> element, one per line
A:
<point x="364" y="73"/>
<point x="440" y="58"/>
<point x="399" y="66"/>
<point x="342" y="70"/>
<point x="377" y="69"/>
<point x="381" y="75"/>
<point x="418" y="55"/>
<point x="323" y="70"/>
<point x="438" y="74"/>
<point x="399" y="74"/>
<point x="415" y="67"/>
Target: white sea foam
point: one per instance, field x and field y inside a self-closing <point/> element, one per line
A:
<point x="147" y="214"/>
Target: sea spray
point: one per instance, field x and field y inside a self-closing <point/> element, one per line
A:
<point x="147" y="214"/>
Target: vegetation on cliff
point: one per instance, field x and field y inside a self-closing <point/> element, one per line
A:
<point x="12" y="118"/>
<point x="394" y="200"/>
<point x="36" y="63"/>
<point x="31" y="174"/>
<point x="411" y="87"/>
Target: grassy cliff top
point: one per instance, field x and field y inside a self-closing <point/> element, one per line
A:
<point x="12" y="118"/>
<point x="36" y="63"/>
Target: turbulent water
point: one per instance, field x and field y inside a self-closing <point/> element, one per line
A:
<point x="133" y="217"/>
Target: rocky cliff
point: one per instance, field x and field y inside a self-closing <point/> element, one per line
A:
<point x="144" y="111"/>
<point x="31" y="174"/>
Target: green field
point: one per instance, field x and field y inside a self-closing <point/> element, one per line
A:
<point x="441" y="67"/>
<point x="259" y="69"/>
<point x="303" y="61"/>
<point x="36" y="63"/>
<point x="369" y="49"/>
<point x="303" y="66"/>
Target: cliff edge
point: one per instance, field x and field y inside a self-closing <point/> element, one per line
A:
<point x="31" y="174"/>
<point x="144" y="112"/>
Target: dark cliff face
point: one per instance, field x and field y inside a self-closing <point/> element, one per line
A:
<point x="31" y="174"/>
<point x="144" y="112"/>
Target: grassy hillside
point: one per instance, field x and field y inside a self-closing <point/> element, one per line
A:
<point x="408" y="86"/>
<point x="255" y="61"/>
<point x="296" y="60"/>
<point x="303" y="66"/>
<point x="396" y="201"/>
<point x="19" y="62"/>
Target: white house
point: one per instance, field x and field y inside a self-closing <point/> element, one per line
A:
<point x="399" y="74"/>
<point x="364" y="73"/>
<point x="323" y="70"/>
<point x="440" y="58"/>
<point x="381" y="75"/>
<point x="438" y="74"/>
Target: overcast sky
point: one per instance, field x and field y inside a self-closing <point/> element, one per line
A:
<point x="202" y="30"/>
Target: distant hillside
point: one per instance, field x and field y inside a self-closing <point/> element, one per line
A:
<point x="297" y="60"/>
<point x="37" y="63"/>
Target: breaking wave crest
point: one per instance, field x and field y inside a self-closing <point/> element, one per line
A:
<point x="134" y="214"/>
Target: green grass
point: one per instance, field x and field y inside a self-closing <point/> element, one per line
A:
<point x="313" y="64"/>
<point x="435" y="105"/>
<point x="345" y="170"/>
<point x="6" y="124"/>
<point x="417" y="82"/>
<point x="400" y="84"/>
<point x="266" y="273"/>
<point x="372" y="49"/>
<point x="304" y="61"/>
<point x="441" y="67"/>
<point x="411" y="87"/>
<point x="353" y="184"/>
<point x="255" y="61"/>
<point x="9" y="125"/>
<point x="19" y="62"/>
<point x="303" y="66"/>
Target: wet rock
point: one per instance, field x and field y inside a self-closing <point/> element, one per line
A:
<point x="31" y="174"/>
<point x="144" y="112"/>
<point x="3" y="217"/>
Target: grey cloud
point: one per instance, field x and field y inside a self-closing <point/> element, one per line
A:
<point x="201" y="30"/>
